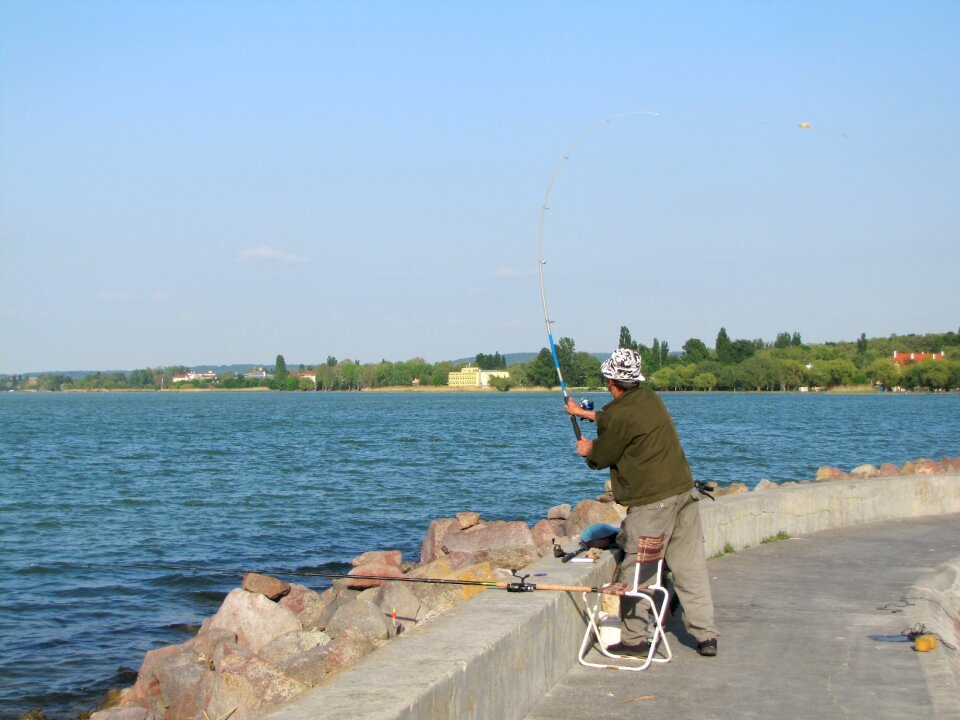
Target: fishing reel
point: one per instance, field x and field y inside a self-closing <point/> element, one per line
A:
<point x="586" y="404"/>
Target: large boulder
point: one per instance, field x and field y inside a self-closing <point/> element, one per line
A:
<point x="734" y="488"/>
<point x="344" y="651"/>
<point x="765" y="485"/>
<point x="247" y="686"/>
<point x="888" y="470"/>
<point x="922" y="466"/>
<point x="864" y="472"/>
<point x="559" y="512"/>
<point x="174" y="681"/>
<point x="433" y="541"/>
<point x="399" y="604"/>
<point x="445" y="537"/>
<point x="335" y="598"/>
<point x="128" y="712"/>
<point x="293" y="643"/>
<point x="588" y="512"/>
<point x="270" y="587"/>
<point x="829" y="474"/>
<point x="361" y="617"/>
<point x="544" y="532"/>
<point x="436" y="598"/>
<point x="306" y="604"/>
<point x="255" y="620"/>
<point x="379" y="557"/>
<point x="372" y="569"/>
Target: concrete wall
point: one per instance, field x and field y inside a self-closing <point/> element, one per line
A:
<point x="496" y="655"/>
<point x="935" y="603"/>
<point x="744" y="520"/>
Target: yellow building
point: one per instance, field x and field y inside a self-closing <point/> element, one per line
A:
<point x="474" y="377"/>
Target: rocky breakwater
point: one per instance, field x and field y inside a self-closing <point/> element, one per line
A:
<point x="826" y="473"/>
<point x="271" y="640"/>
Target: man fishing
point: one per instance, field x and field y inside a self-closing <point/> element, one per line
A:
<point x="649" y="474"/>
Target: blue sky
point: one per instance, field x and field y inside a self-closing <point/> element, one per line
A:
<point x="220" y="182"/>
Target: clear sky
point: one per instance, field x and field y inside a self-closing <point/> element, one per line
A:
<point x="219" y="182"/>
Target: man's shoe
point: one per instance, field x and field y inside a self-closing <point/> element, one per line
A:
<point x="708" y="648"/>
<point x="642" y="650"/>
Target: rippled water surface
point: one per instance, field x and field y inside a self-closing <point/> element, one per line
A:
<point x="91" y="482"/>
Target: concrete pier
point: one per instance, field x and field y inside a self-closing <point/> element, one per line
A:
<point x="795" y="616"/>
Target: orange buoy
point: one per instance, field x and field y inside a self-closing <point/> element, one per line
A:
<point x="925" y="643"/>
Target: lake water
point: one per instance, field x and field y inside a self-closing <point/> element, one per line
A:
<point x="91" y="482"/>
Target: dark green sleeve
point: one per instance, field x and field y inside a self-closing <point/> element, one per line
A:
<point x="611" y="441"/>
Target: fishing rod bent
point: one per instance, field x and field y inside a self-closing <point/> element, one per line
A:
<point x="541" y="262"/>
<point x="520" y="585"/>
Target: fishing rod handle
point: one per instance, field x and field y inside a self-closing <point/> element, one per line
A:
<point x="576" y="427"/>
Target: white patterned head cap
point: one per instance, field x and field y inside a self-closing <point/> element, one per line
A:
<point x="623" y="367"/>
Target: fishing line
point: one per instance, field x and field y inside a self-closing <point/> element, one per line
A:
<point x="541" y="262"/>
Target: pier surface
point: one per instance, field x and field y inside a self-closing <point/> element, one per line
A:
<point x="796" y="618"/>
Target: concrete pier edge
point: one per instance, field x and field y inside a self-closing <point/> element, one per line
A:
<point x="497" y="654"/>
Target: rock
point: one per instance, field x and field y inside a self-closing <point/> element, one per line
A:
<point x="731" y="489"/>
<point x="307" y="667"/>
<point x="511" y="558"/>
<point x="293" y="643"/>
<point x="34" y="714"/>
<point x="399" y="598"/>
<point x="864" y="472"/>
<point x="379" y="557"/>
<point x="765" y="485"/>
<point x="128" y="712"/>
<point x="559" y="512"/>
<point x="306" y="604"/>
<point x="335" y="598"/>
<point x="888" y="470"/>
<point x="440" y="597"/>
<point x="173" y="677"/>
<point x="267" y="586"/>
<point x="790" y="483"/>
<point x="468" y="519"/>
<point x="368" y="569"/>
<point x="361" y="617"/>
<point x="588" y="512"/>
<point x="951" y="465"/>
<point x="922" y="466"/>
<point x="545" y="531"/>
<point x="829" y="474"/>
<point x="254" y="619"/>
<point x="344" y="652"/>
<point x="247" y="686"/>
<point x="433" y="541"/>
<point x="489" y="536"/>
<point x="208" y="639"/>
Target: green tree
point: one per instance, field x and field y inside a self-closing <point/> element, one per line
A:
<point x="695" y="350"/>
<point x="626" y="341"/>
<point x="665" y="379"/>
<point x="280" y="373"/>
<point x="884" y="371"/>
<point x="541" y="371"/>
<point x="723" y="347"/>
<point x="782" y="341"/>
<point x="705" y="381"/>
<point x="935" y="374"/>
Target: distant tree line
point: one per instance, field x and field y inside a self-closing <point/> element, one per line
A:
<point x="786" y="363"/>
